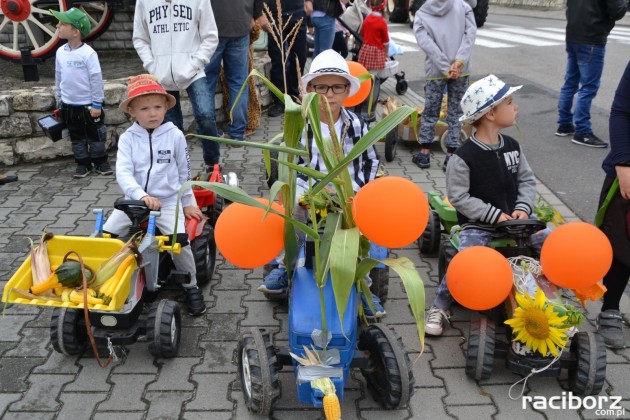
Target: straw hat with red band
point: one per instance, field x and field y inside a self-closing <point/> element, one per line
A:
<point x="145" y="84"/>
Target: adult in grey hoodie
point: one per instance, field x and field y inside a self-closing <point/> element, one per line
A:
<point x="175" y="39"/>
<point x="445" y="30"/>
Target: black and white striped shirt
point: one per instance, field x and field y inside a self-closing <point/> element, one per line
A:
<point x="362" y="169"/>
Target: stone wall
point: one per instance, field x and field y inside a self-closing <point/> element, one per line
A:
<point x="22" y="139"/>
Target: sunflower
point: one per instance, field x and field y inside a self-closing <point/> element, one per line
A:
<point x="537" y="325"/>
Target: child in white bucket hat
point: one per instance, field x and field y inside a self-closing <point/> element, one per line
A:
<point x="330" y="77"/>
<point x="488" y="179"/>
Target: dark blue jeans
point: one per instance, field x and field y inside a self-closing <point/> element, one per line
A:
<point x="585" y="63"/>
<point x="203" y="110"/>
<point x="234" y="53"/>
<point x="324" y="33"/>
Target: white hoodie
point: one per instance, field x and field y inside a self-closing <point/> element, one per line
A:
<point x="156" y="164"/>
<point x="175" y="39"/>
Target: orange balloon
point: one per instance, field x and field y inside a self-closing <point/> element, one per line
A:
<point x="357" y="70"/>
<point x="247" y="238"/>
<point x="576" y="255"/>
<point x="479" y="278"/>
<point x="391" y="211"/>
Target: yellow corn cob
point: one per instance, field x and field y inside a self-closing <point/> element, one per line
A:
<point x="330" y="402"/>
<point x="332" y="410"/>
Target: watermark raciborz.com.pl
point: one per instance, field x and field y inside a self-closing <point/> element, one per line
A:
<point x="603" y="405"/>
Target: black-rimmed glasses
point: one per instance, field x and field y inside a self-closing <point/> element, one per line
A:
<point x="337" y="89"/>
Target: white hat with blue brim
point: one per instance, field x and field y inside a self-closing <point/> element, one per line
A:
<point x="482" y="96"/>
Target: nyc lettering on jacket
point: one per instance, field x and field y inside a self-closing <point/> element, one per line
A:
<point x="161" y="13"/>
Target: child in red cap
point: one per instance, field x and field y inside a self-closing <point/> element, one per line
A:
<point x="151" y="165"/>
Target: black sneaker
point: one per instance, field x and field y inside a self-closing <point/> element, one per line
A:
<point x="104" y="169"/>
<point x="81" y="172"/>
<point x="423" y="160"/>
<point x="194" y="301"/>
<point x="276" y="109"/>
<point x="590" y="140"/>
<point x="565" y="130"/>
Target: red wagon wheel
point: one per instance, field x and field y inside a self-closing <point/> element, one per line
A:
<point x="28" y="23"/>
<point x="100" y="15"/>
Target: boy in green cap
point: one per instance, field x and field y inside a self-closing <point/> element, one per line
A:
<point x="79" y="89"/>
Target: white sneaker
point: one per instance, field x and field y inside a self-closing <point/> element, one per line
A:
<point x="434" y="321"/>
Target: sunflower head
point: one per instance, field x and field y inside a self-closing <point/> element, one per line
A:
<point x="537" y="325"/>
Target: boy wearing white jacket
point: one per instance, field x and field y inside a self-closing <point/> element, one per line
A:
<point x="152" y="163"/>
<point x="175" y="40"/>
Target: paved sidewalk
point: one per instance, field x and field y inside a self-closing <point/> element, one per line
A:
<point x="201" y="383"/>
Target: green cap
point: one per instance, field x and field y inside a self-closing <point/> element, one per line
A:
<point x="76" y="18"/>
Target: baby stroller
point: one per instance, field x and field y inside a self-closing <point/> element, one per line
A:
<point x="352" y="20"/>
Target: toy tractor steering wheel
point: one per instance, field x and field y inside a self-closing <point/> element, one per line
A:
<point x="136" y="210"/>
<point x="520" y="229"/>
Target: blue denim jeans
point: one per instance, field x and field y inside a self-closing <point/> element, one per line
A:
<point x="298" y="52"/>
<point x="203" y="110"/>
<point x="584" y="70"/>
<point x="324" y="33"/>
<point x="477" y="237"/>
<point x="234" y="52"/>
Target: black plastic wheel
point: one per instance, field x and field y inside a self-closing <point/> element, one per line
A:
<point x="66" y="334"/>
<point x="480" y="353"/>
<point x="481" y="12"/>
<point x="589" y="375"/>
<point x="429" y="241"/>
<point x="380" y="282"/>
<point x="390" y="145"/>
<point x="204" y="251"/>
<point x="446" y="254"/>
<point x="214" y="211"/>
<point x="401" y="87"/>
<point x="258" y="372"/>
<point x="400" y="13"/>
<point x="389" y="377"/>
<point x="164" y="328"/>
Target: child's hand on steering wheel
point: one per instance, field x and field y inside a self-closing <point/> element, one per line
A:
<point x="152" y="202"/>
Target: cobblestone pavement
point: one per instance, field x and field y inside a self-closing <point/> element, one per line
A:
<point x="201" y="382"/>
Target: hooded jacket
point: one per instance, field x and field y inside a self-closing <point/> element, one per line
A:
<point x="445" y="30"/>
<point x="175" y="39"/>
<point x="590" y="21"/>
<point x="156" y="164"/>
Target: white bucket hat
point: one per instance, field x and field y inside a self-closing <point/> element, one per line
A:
<point x="482" y="95"/>
<point x="330" y="62"/>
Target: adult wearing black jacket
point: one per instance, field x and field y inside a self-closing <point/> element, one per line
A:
<point x="292" y="11"/>
<point x="588" y="24"/>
